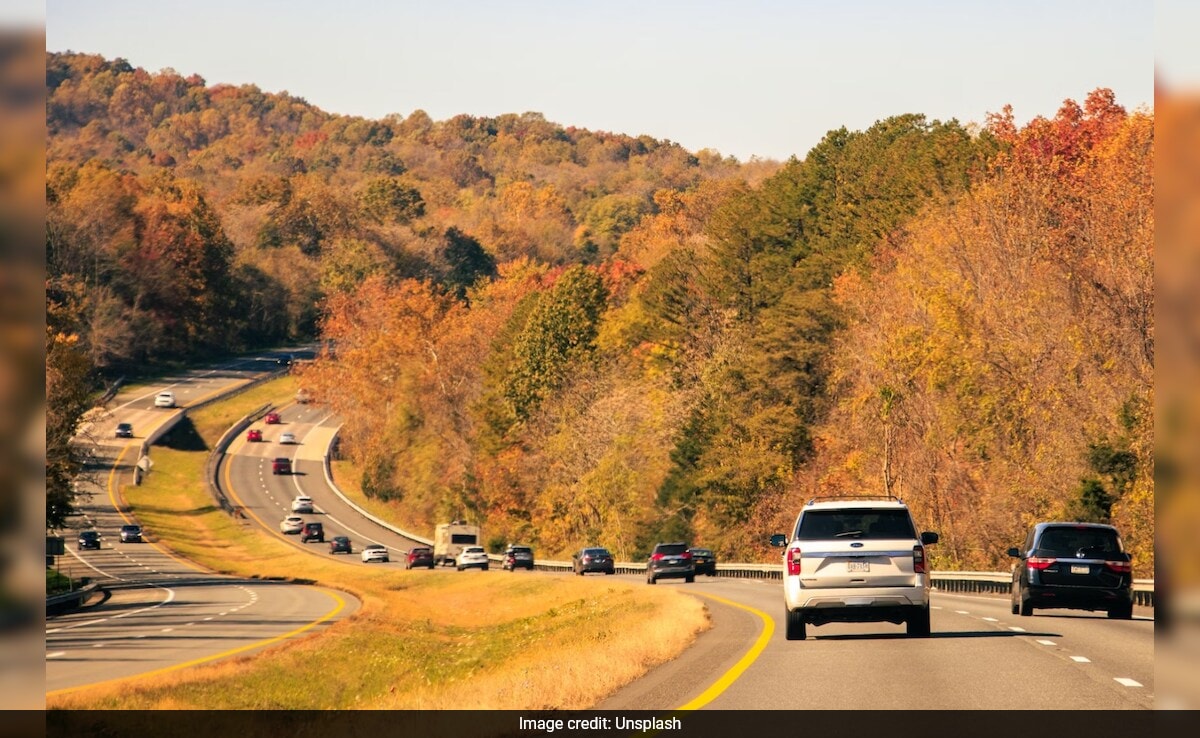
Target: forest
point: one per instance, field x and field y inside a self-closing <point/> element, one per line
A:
<point x="578" y="337"/>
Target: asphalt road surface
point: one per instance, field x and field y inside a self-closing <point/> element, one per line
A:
<point x="163" y="613"/>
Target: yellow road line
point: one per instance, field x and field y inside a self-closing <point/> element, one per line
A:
<point x="341" y="604"/>
<point x="729" y="677"/>
<point x="228" y="461"/>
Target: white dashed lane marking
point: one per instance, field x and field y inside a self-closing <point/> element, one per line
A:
<point x="56" y="654"/>
<point x="1124" y="681"/>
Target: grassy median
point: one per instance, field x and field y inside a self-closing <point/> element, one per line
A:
<point x="421" y="639"/>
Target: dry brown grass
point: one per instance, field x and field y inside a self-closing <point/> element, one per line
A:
<point x="420" y="639"/>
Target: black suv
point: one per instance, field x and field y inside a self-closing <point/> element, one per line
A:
<point x="518" y="557"/>
<point x="705" y="561"/>
<point x="1079" y="566"/>
<point x="312" y="532"/>
<point x="670" y="560"/>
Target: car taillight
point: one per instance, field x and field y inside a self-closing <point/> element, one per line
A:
<point x="793" y="561"/>
<point x="656" y="557"/>
<point x="1039" y="562"/>
<point x="1120" y="567"/>
<point x="918" y="559"/>
<point x="686" y="554"/>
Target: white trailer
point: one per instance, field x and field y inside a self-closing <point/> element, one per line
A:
<point x="450" y="538"/>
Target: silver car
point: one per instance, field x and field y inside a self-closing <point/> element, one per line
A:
<point x="855" y="560"/>
<point x="166" y="398"/>
<point x="291" y="524"/>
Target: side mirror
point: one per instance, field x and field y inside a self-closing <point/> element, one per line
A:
<point x="1014" y="553"/>
<point x="929" y="537"/>
<point x="779" y="540"/>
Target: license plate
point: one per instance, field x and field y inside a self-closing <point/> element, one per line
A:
<point x="858" y="566"/>
<point x="1075" y="569"/>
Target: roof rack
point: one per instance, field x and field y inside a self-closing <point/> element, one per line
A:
<point x="884" y="498"/>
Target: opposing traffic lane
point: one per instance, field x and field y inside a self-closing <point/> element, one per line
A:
<point x="265" y="498"/>
<point x="153" y="630"/>
<point x="164" y="612"/>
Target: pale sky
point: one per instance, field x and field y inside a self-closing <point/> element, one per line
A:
<point x="745" y="77"/>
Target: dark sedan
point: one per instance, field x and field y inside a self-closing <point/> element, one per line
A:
<point x="340" y="545"/>
<point x="89" y="539"/>
<point x="1078" y="566"/>
<point x="518" y="557"/>
<point x="705" y="561"/>
<point x="593" y="560"/>
<point x="419" y="556"/>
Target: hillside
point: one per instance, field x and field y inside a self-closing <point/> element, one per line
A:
<point x="577" y="337"/>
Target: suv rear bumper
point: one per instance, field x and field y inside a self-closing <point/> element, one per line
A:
<point x="862" y="604"/>
<point x="673" y="572"/>
<point x="1078" y="598"/>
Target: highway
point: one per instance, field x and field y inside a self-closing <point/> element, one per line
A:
<point x="163" y="613"/>
<point x="980" y="655"/>
<point x="975" y="659"/>
<point x="266" y="498"/>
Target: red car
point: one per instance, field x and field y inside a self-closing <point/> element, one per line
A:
<point x="254" y="435"/>
<point x="272" y="419"/>
<point x="419" y="556"/>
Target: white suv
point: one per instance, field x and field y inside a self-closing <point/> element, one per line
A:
<point x="855" y="560"/>
<point x="472" y="556"/>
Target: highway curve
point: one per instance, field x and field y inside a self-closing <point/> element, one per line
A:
<point x="161" y="612"/>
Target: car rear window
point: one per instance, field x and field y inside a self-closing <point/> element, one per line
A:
<point x="521" y="550"/>
<point x="596" y="552"/>
<point x="670" y="549"/>
<point x="868" y="524"/>
<point x="1073" y="541"/>
<point x="702" y="551"/>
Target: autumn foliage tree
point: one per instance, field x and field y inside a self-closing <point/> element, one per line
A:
<point x="997" y="367"/>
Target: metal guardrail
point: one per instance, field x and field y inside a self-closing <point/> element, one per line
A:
<point x="342" y="495"/>
<point x="987" y="582"/>
<point x="71" y="600"/>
